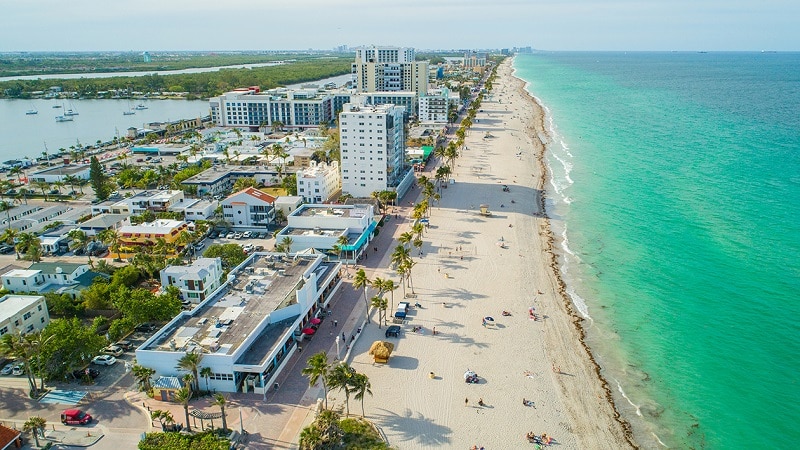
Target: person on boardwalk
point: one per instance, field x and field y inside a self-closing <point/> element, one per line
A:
<point x="335" y="323"/>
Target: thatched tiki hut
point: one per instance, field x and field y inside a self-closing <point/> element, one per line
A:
<point x="381" y="350"/>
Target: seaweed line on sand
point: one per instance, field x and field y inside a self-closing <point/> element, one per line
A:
<point x="534" y="131"/>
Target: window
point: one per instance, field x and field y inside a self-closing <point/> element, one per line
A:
<point x="27" y="315"/>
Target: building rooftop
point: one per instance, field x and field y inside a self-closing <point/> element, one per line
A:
<point x="316" y="231"/>
<point x="62" y="170"/>
<point x="56" y="267"/>
<point x="22" y="273"/>
<point x="160" y="226"/>
<point x="10" y="305"/>
<point x="321" y="210"/>
<point x="216" y="173"/>
<point x="197" y="270"/>
<point x="264" y="283"/>
<point x="103" y="220"/>
<point x="253" y="192"/>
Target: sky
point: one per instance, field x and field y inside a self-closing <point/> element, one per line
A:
<point x="634" y="25"/>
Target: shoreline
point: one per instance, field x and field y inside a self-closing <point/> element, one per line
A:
<point x="473" y="266"/>
<point x="536" y="130"/>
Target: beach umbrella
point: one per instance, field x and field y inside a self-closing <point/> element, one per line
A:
<point x="309" y="331"/>
<point x="381" y="349"/>
<point x="316" y="321"/>
<point x="468" y="374"/>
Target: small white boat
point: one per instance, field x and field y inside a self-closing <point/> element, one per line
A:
<point x="31" y="112"/>
<point x="63" y="118"/>
<point x="140" y="106"/>
<point x="128" y="113"/>
<point x="56" y="106"/>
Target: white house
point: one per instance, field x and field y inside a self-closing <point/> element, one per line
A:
<point x="196" y="281"/>
<point x="320" y="227"/>
<point x="319" y="182"/>
<point x="248" y="329"/>
<point x="196" y="209"/>
<point x="46" y="273"/>
<point x="372" y="145"/>
<point x="249" y="208"/>
<point x="23" y="314"/>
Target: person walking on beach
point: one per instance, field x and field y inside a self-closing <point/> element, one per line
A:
<point x="466" y="401"/>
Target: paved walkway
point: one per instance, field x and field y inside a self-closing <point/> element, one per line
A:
<point x="275" y="420"/>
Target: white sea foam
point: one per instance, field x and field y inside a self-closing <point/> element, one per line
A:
<point x="625" y="396"/>
<point x="579" y="303"/>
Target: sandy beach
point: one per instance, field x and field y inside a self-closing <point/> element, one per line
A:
<point x="473" y="266"/>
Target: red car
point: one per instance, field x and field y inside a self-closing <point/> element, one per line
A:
<point x="75" y="417"/>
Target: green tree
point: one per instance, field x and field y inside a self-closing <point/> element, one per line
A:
<point x="143" y="376"/>
<point x="361" y="281"/>
<point x="380" y="304"/>
<point x="35" y="425"/>
<point x="111" y="238"/>
<point x="317" y="370"/>
<point x="206" y="373"/>
<point x="20" y="348"/>
<point x="190" y="362"/>
<point x="219" y="400"/>
<point x="182" y="396"/>
<point x="232" y="254"/>
<point x="98" y="179"/>
<point x="339" y="378"/>
<point x="72" y="345"/>
<point x="360" y="385"/>
<point x="244" y="183"/>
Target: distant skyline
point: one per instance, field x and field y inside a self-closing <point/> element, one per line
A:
<point x="89" y="25"/>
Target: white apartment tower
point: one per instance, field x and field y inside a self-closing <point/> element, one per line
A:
<point x="372" y="144"/>
<point x="379" y="69"/>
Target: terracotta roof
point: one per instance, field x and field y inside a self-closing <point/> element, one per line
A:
<point x="259" y="195"/>
<point x="7" y="436"/>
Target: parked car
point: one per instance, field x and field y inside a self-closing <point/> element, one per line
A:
<point x="7" y="369"/>
<point x="104" y="360"/>
<point x="230" y="235"/>
<point x="248" y="248"/>
<point x="259" y="248"/>
<point x="247" y="235"/>
<point x="6" y="249"/>
<point x="237" y="235"/>
<point x="87" y="372"/>
<point x="125" y="345"/>
<point x="393" y="331"/>
<point x="113" y="350"/>
<point x="213" y="235"/>
<point x="18" y="369"/>
<point x="75" y="417"/>
<point x="147" y="327"/>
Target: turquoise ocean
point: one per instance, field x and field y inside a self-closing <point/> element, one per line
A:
<point x="675" y="199"/>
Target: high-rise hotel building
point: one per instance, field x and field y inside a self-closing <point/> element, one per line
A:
<point x="372" y="145"/>
<point x="379" y="69"/>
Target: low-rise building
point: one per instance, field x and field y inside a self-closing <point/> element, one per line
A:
<point x="154" y="201"/>
<point x="103" y="222"/>
<point x="248" y="329"/>
<point x="196" y="209"/>
<point x="319" y="182"/>
<point x="148" y="234"/>
<point x="59" y="276"/>
<point x="249" y="208"/>
<point x="196" y="281"/>
<point x="220" y="179"/>
<point x="59" y="173"/>
<point x="321" y="227"/>
<point x="23" y="314"/>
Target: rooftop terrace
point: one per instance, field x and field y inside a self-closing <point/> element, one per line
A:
<point x="222" y="323"/>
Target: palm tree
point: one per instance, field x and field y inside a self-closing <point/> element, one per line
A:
<point x="379" y="303"/>
<point x="79" y="239"/>
<point x="340" y="379"/>
<point x="318" y="369"/>
<point x="163" y="417"/>
<point x="390" y="286"/>
<point x="310" y="438"/>
<point x="361" y="281"/>
<point x="30" y="245"/>
<point x="16" y="346"/>
<point x="219" y="400"/>
<point x="360" y="385"/>
<point x="400" y="254"/>
<point x="342" y="241"/>
<point x="188" y="380"/>
<point x="112" y="239"/>
<point x="182" y="396"/>
<point x="35" y="425"/>
<point x="206" y="373"/>
<point x="406" y="238"/>
<point x="191" y="362"/>
<point x="407" y="265"/>
<point x="142" y="375"/>
<point x="44" y="186"/>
